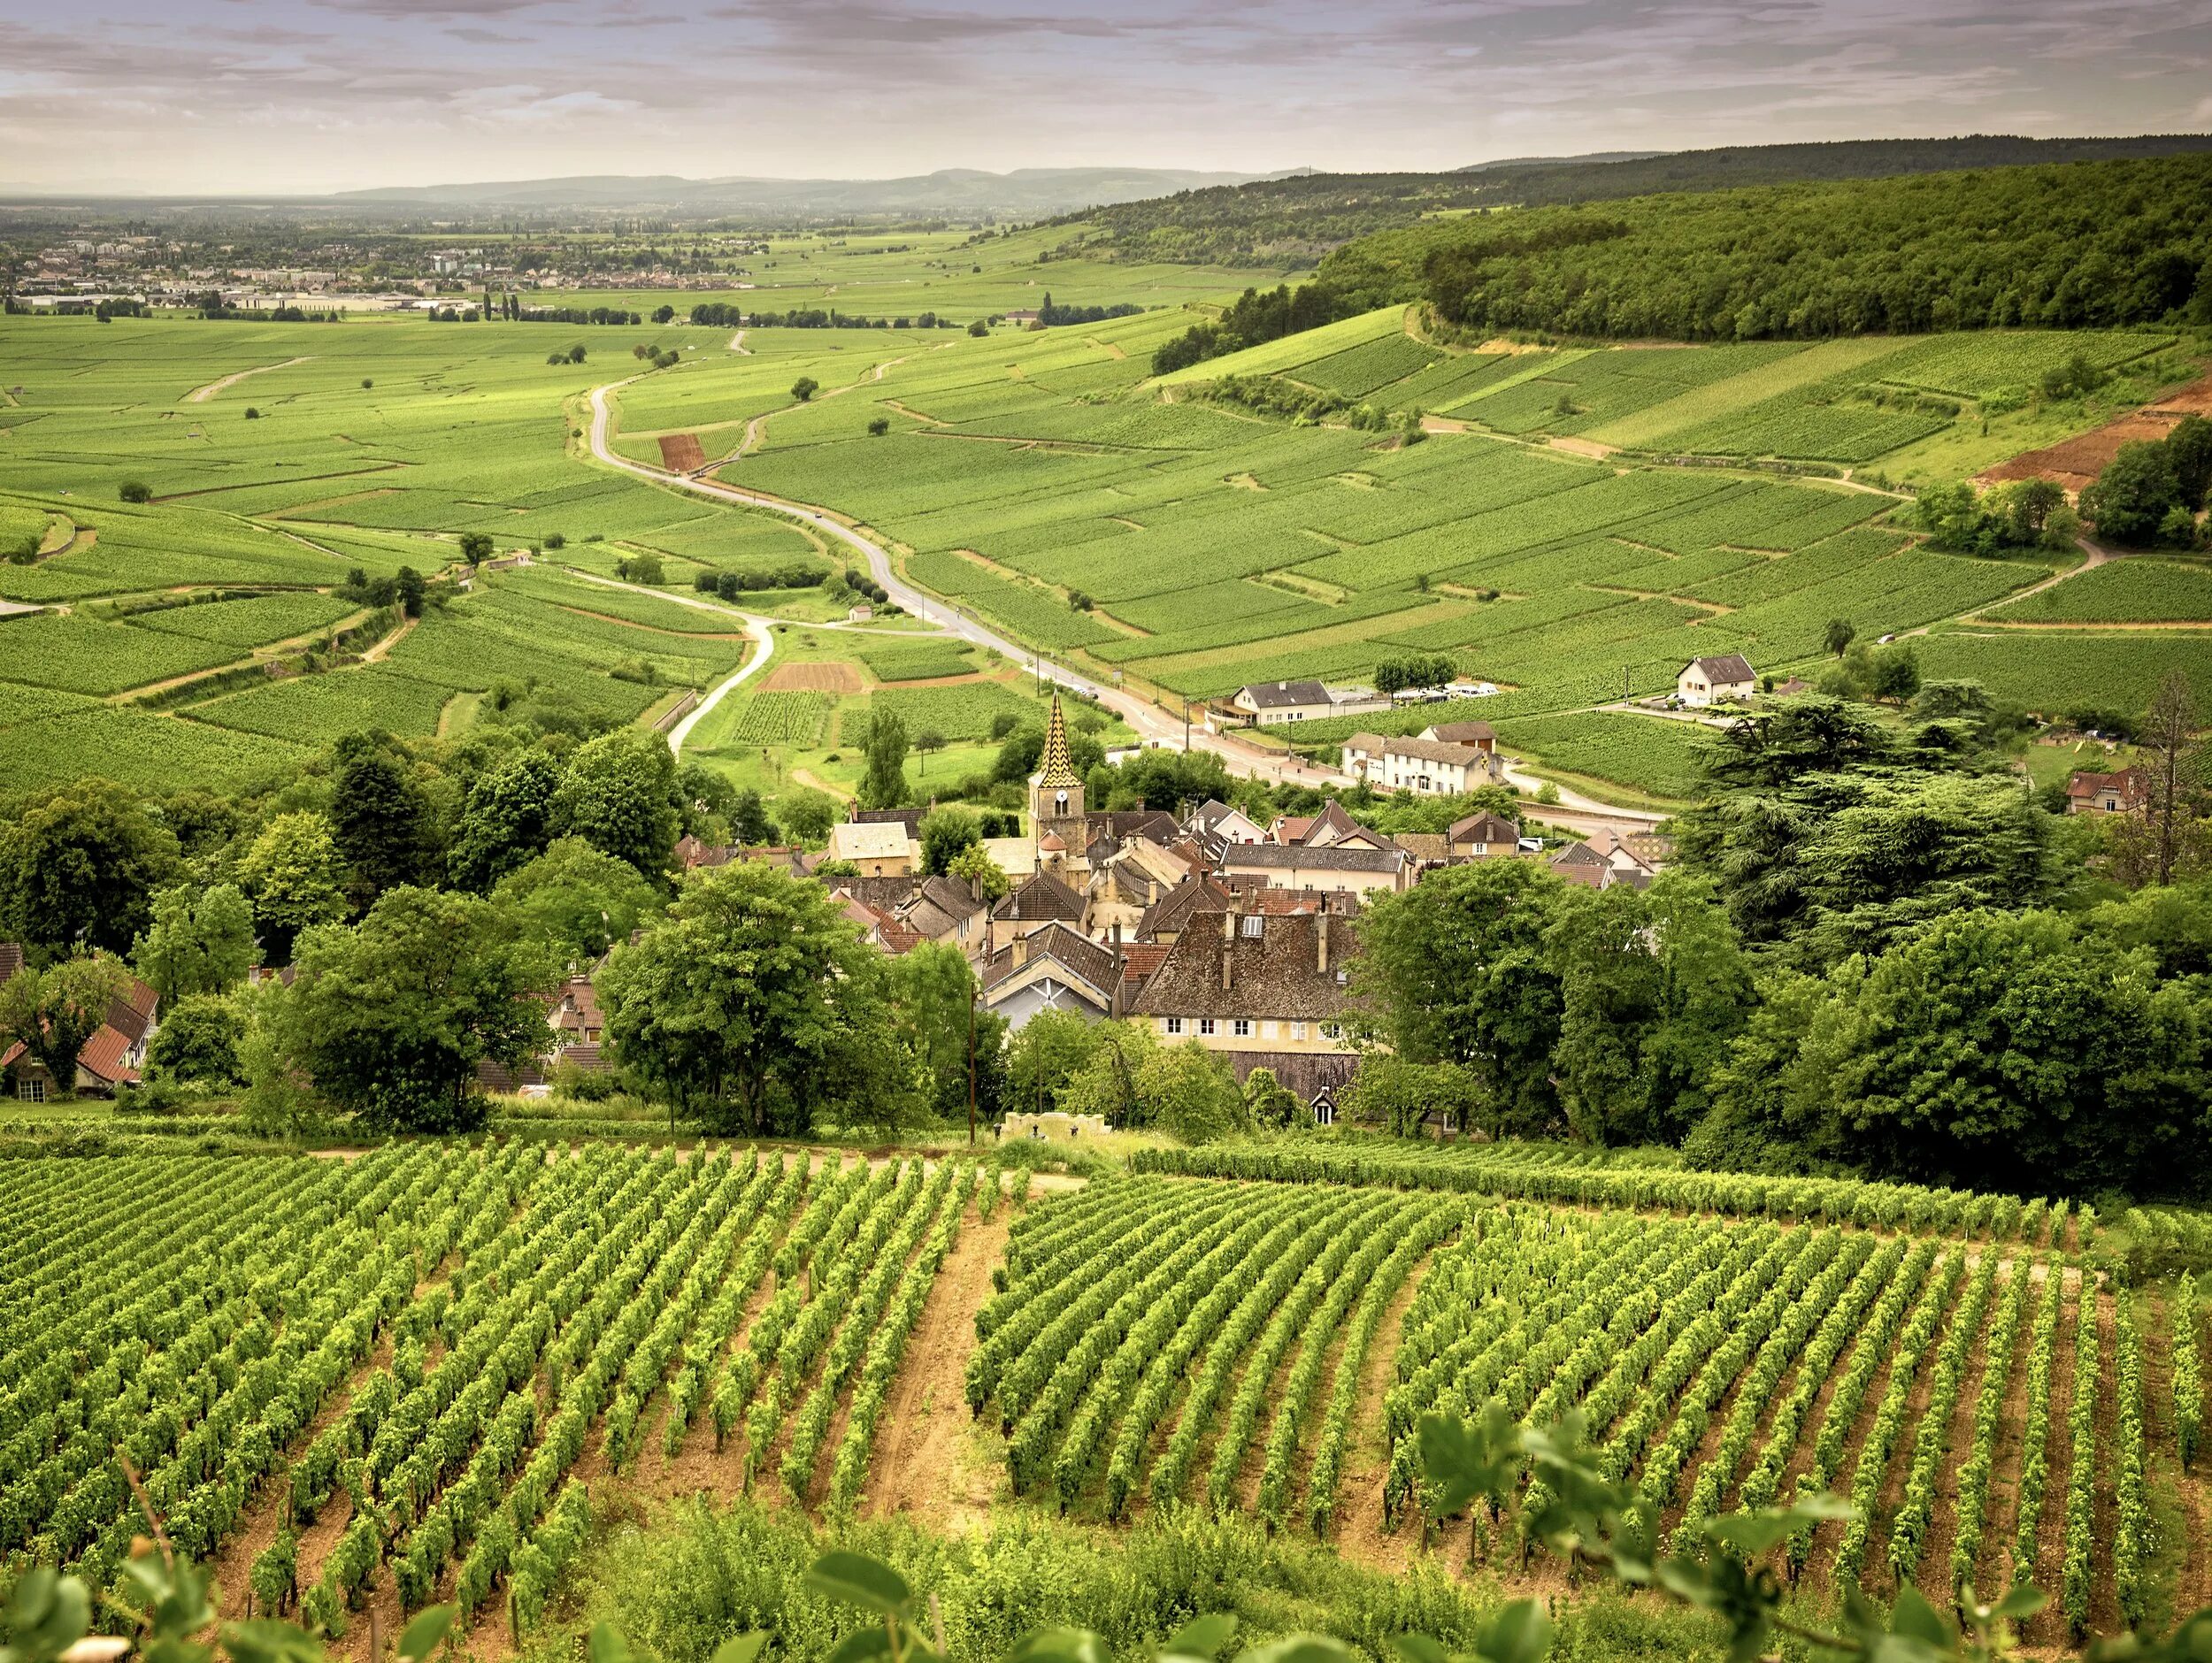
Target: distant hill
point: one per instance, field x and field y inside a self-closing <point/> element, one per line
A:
<point x="1558" y="161"/>
<point x="1299" y="218"/>
<point x="1026" y="192"/>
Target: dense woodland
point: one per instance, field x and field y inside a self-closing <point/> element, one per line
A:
<point x="2095" y="245"/>
<point x="1301" y="216"/>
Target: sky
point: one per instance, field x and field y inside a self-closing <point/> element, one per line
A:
<point x="228" y="97"/>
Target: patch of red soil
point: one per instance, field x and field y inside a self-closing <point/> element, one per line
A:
<point x="682" y="452"/>
<point x="2078" y="461"/>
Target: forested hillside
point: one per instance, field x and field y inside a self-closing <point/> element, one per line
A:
<point x="1304" y="215"/>
<point x="2098" y="245"/>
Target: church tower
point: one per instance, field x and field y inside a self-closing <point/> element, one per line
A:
<point x="1056" y="792"/>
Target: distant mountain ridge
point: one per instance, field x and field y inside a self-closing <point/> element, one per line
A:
<point x="1025" y="191"/>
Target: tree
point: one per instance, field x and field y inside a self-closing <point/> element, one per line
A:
<point x="1896" y="676"/>
<point x="199" y="941"/>
<point x="2189" y="453"/>
<point x="974" y="865"/>
<point x="1391" y="1094"/>
<point x="201" y="1042"/>
<point x="927" y="740"/>
<point x="1840" y="632"/>
<point x="879" y="426"/>
<point x="2029" y="507"/>
<point x="1456" y="970"/>
<point x="619" y="795"/>
<point x="884" y="743"/>
<point x="808" y="815"/>
<point x="476" y="546"/>
<point x="51" y="1012"/>
<point x="296" y="876"/>
<point x="979" y="327"/>
<point x="933" y="1000"/>
<point x="80" y="865"/>
<point x="804" y="388"/>
<point x="135" y="491"/>
<point x="1653" y="986"/>
<point x="664" y="314"/>
<point x="410" y="588"/>
<point x="1048" y="1053"/>
<point x="507" y="820"/>
<point x="2171" y="769"/>
<point x="1271" y="1106"/>
<point x="379" y="818"/>
<point x="390" y="1017"/>
<point x="946" y="832"/>
<point x="748" y="820"/>
<point x="574" y="902"/>
<point x="2129" y="499"/>
<point x="1813" y="734"/>
<point x="753" y="1003"/>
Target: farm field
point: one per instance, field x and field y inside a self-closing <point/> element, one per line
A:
<point x="1718" y="1363"/>
<point x="587" y="1316"/>
<point x="467" y="1356"/>
<point x="1035" y="478"/>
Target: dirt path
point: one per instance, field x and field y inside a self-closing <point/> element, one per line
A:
<point x="926" y="1464"/>
<point x="738" y="346"/>
<point x="815" y="783"/>
<point x="1360" y="1535"/>
<point x="2098" y="554"/>
<point x="377" y="650"/>
<point x="201" y="394"/>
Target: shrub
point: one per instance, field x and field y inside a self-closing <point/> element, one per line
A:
<point x="135" y="491"/>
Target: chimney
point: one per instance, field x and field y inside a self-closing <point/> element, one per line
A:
<point x="975" y="889"/>
<point x="1321" y="936"/>
<point x="1021" y="951"/>
<point x="1228" y="958"/>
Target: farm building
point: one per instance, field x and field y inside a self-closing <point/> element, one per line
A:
<point x="1423" y="767"/>
<point x="1271" y="703"/>
<point x="1704" y="681"/>
<point x="2106" y="793"/>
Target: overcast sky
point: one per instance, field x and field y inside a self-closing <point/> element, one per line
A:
<point x="228" y="96"/>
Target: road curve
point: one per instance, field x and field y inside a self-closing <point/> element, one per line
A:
<point x="1154" y="725"/>
<point x="756" y="628"/>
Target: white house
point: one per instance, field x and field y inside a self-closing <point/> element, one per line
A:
<point x="1705" y="681"/>
<point x="1271" y="704"/>
<point x="1424" y="767"/>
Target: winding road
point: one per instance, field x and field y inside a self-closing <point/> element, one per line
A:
<point x="1574" y="811"/>
<point x="1154" y="726"/>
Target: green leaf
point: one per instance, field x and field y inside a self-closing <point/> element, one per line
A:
<point x="741" y="1648"/>
<point x="1300" y="1648"/>
<point x="421" y="1636"/>
<point x="1521" y="1633"/>
<point x="1752" y="1533"/>
<point x="1201" y="1637"/>
<point x="1061" y="1645"/>
<point x="266" y="1642"/>
<point x="865" y="1647"/>
<point x="607" y="1645"/>
<point x="1913" y="1618"/>
<point x="49" y="1613"/>
<point x="858" y="1580"/>
<point x="2023" y="1602"/>
<point x="1418" y="1648"/>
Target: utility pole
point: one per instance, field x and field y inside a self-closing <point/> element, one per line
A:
<point x="1187" y="725"/>
<point x="971" y="1067"/>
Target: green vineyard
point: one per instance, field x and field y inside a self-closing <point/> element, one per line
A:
<point x="1987" y="1405"/>
<point x="426" y="1352"/>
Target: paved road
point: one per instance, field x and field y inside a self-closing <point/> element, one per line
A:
<point x="755" y="626"/>
<point x="1154" y="725"/>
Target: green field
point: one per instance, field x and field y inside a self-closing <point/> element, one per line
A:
<point x="1039" y="479"/>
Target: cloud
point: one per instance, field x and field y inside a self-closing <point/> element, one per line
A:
<point x="813" y="88"/>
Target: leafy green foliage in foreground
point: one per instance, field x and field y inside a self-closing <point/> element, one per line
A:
<point x="855" y="1608"/>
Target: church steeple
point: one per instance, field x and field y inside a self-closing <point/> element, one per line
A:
<point x="1056" y="792"/>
